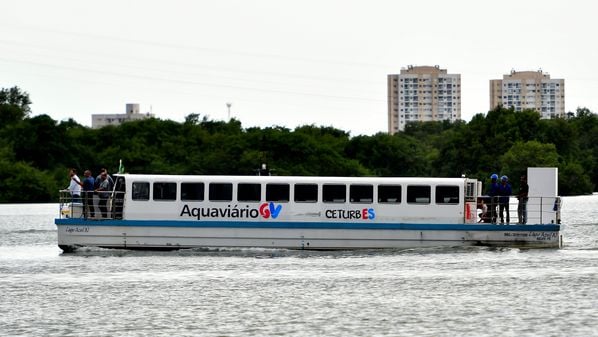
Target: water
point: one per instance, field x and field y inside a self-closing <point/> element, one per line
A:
<point x="254" y="292"/>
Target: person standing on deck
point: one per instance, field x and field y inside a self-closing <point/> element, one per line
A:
<point x="522" y="197"/>
<point x="505" y="192"/>
<point x="104" y="193"/>
<point x="99" y="178"/>
<point x="88" y="187"/>
<point x="74" y="186"/>
<point x="493" y="194"/>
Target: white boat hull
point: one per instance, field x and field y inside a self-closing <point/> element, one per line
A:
<point x="74" y="233"/>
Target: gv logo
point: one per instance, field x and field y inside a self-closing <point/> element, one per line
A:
<point x="269" y="209"/>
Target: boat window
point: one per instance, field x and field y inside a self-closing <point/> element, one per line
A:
<point x="192" y="191"/>
<point x="334" y="193"/>
<point x="140" y="191"/>
<point x="221" y="191"/>
<point x="164" y="191"/>
<point x="277" y="192"/>
<point x="249" y="192"/>
<point x="390" y="194"/>
<point x="447" y="194"/>
<point x="470" y="188"/>
<point x="418" y="194"/>
<point x="306" y="193"/>
<point x="120" y="185"/>
<point x="361" y="193"/>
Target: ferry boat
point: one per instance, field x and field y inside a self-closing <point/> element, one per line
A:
<point x="168" y="212"/>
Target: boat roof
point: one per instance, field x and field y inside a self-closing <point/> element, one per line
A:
<point x="286" y="179"/>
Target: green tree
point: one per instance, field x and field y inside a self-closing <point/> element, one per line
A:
<point x="14" y="105"/>
<point x="386" y="155"/>
<point x="573" y="180"/>
<point x="41" y="142"/>
<point x="527" y="154"/>
<point x="19" y="182"/>
<point x="585" y="134"/>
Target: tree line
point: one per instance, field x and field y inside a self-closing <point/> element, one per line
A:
<point x="36" y="151"/>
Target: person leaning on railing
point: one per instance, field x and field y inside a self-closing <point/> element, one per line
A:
<point x="74" y="187"/>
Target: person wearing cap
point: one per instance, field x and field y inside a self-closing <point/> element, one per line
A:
<point x="493" y="192"/>
<point x="505" y="192"/>
<point x="522" y="197"/>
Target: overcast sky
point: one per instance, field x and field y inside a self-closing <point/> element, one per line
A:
<point x="284" y="63"/>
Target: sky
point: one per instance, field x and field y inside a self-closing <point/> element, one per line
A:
<point x="283" y="63"/>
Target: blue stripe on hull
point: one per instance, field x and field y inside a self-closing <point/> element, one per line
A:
<point x="305" y="225"/>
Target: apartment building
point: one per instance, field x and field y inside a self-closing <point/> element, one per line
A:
<point x="422" y="93"/>
<point x="529" y="90"/>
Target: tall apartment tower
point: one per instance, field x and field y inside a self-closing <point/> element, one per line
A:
<point x="423" y="94"/>
<point x="529" y="90"/>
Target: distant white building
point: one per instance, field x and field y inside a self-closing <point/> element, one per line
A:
<point x="131" y="114"/>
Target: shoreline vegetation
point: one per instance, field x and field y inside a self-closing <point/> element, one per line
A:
<point x="36" y="152"/>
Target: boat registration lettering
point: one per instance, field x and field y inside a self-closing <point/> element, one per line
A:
<point x="516" y="234"/>
<point x="544" y="236"/>
<point x="538" y="236"/>
<point x="76" y="229"/>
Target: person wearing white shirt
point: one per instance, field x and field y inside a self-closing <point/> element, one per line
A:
<point x="74" y="186"/>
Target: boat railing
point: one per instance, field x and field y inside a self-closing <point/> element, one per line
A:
<point x="91" y="205"/>
<point x="540" y="210"/>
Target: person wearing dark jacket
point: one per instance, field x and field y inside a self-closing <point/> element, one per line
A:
<point x="493" y="194"/>
<point x="88" y="190"/>
<point x="505" y="192"/>
<point x="522" y="197"/>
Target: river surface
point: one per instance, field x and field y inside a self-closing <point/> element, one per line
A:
<point x="257" y="292"/>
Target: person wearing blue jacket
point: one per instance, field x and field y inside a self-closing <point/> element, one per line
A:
<point x="504" y="191"/>
<point x="493" y="193"/>
<point x="88" y="185"/>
